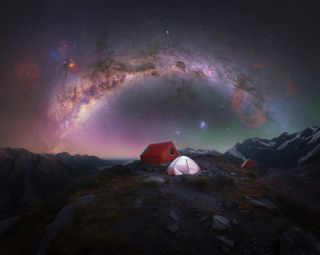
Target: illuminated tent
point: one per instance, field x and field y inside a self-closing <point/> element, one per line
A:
<point x="158" y="153"/>
<point x="249" y="164"/>
<point x="183" y="165"/>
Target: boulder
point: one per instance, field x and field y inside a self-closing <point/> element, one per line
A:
<point x="5" y="224"/>
<point x="173" y="228"/>
<point x="139" y="202"/>
<point x="203" y="218"/>
<point x="262" y="203"/>
<point x="220" y="222"/>
<point x="155" y="180"/>
<point x="297" y="242"/>
<point x="173" y="215"/>
<point x="226" y="241"/>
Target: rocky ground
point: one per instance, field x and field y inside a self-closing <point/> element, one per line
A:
<point x="138" y="209"/>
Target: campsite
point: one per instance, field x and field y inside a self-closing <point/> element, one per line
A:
<point x="168" y="127"/>
<point x="198" y="202"/>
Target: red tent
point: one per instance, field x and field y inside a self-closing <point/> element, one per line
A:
<point x="249" y="164"/>
<point x="158" y="153"/>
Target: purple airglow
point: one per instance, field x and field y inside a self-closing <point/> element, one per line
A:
<point x="74" y="103"/>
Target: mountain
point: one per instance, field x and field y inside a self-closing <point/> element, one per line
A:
<point x="234" y="211"/>
<point x="27" y="178"/>
<point x="87" y="161"/>
<point x="285" y="151"/>
<point x="190" y="152"/>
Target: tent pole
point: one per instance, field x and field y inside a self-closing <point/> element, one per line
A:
<point x="188" y="165"/>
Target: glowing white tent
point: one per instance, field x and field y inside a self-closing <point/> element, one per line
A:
<point x="183" y="165"/>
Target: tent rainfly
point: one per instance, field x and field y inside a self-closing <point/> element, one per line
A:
<point x="249" y="164"/>
<point x="158" y="153"/>
<point x="183" y="165"/>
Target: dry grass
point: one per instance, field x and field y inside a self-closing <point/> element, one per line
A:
<point x="223" y="180"/>
<point x="84" y="238"/>
<point x="254" y="188"/>
<point x="196" y="181"/>
<point x="83" y="186"/>
<point x="200" y="181"/>
<point x="301" y="212"/>
<point x="93" y="229"/>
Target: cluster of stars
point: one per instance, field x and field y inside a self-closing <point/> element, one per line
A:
<point x="76" y="101"/>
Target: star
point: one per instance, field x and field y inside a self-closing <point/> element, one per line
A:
<point x="203" y="124"/>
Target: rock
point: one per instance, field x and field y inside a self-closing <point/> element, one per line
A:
<point x="234" y="221"/>
<point x="139" y="202"/>
<point x="156" y="180"/>
<point x="226" y="241"/>
<point x="84" y="200"/>
<point x="204" y="218"/>
<point x="296" y="242"/>
<point x="245" y="211"/>
<point x="5" y="224"/>
<point x="265" y="203"/>
<point x="173" y="228"/>
<point x="173" y="215"/>
<point x="220" y="222"/>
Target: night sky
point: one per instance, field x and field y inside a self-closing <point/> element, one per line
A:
<point x="109" y="77"/>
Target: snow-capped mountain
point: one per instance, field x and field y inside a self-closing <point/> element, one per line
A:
<point x="284" y="151"/>
<point x="195" y="152"/>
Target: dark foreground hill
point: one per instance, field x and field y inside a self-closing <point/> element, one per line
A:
<point x="138" y="209"/>
<point x="28" y="178"/>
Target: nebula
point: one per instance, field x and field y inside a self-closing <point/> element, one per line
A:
<point x="28" y="72"/>
<point x="248" y="103"/>
<point x="107" y="78"/>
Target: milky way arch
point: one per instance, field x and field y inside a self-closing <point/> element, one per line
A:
<point x="74" y="103"/>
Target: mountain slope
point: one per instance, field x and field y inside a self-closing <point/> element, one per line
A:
<point x="285" y="151"/>
<point x="27" y="178"/>
<point x="223" y="209"/>
<point x="87" y="161"/>
<point x="190" y="152"/>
